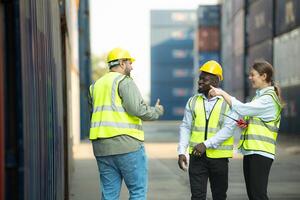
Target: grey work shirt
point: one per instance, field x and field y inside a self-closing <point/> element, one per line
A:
<point x="134" y="104"/>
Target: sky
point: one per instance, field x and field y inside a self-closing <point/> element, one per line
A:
<point x="126" y="24"/>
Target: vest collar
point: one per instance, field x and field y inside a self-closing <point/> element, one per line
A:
<point x="260" y="92"/>
<point x="211" y="99"/>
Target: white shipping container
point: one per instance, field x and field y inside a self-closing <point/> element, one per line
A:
<point x="287" y="58"/>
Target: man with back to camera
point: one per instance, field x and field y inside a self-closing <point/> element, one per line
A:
<point x="203" y="118"/>
<point x="116" y="129"/>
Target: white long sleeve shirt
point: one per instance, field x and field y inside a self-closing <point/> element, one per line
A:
<point x="185" y="128"/>
<point x="262" y="107"/>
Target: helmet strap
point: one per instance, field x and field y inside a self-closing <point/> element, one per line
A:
<point x="113" y="63"/>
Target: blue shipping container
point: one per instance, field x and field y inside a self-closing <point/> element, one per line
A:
<point x="169" y="54"/>
<point x="172" y="35"/>
<point x="170" y="91"/>
<point x="171" y="73"/>
<point x="206" y="56"/>
<point x="209" y="15"/>
<point x="174" y="109"/>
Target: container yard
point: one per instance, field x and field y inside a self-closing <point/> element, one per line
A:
<point x="47" y="63"/>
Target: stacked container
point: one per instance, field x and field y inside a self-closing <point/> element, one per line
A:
<point x="207" y="42"/>
<point x="260" y="32"/>
<point x="84" y="66"/>
<point x="172" y="35"/>
<point x="264" y="20"/>
<point x="41" y="97"/>
<point x="227" y="45"/>
<point x="238" y="20"/>
<point x="1" y="102"/>
<point x="287" y="61"/>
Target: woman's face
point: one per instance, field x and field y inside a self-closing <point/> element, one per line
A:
<point x="258" y="81"/>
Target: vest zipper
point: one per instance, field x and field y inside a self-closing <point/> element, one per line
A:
<point x="207" y="119"/>
<point x="206" y="127"/>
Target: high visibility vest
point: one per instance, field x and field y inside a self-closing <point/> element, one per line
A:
<point x="261" y="135"/>
<point x="109" y="119"/>
<point x="203" y="128"/>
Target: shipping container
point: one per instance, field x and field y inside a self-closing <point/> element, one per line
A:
<point x="226" y="14"/>
<point x="209" y="15"/>
<point x="291" y="113"/>
<point x="287" y="59"/>
<point x="174" y="109"/>
<point x="238" y="76"/>
<point x="208" y="39"/>
<point x="172" y="18"/>
<point x="239" y="32"/>
<point x="171" y="91"/>
<point x="259" y="51"/>
<point x="260" y="21"/>
<point x="206" y="56"/>
<point x="287" y="15"/>
<point x="227" y="44"/>
<point x="172" y="35"/>
<point x="36" y="134"/>
<point x="84" y="66"/>
<point x="171" y="72"/>
<point x="237" y="5"/>
<point x="168" y="54"/>
<point x="2" y="149"/>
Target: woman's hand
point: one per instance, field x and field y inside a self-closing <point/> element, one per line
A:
<point x="215" y="92"/>
<point x="219" y="92"/>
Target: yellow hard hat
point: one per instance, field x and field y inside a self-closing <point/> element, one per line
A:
<point x="212" y="67"/>
<point x="118" y="53"/>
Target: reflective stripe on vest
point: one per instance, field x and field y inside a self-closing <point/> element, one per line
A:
<point x="260" y="135"/>
<point x="109" y="118"/>
<point x="215" y="123"/>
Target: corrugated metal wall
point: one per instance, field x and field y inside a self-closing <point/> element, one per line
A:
<point x="34" y="99"/>
<point x="43" y="98"/>
<point x="84" y="66"/>
<point x="287" y="15"/>
<point x="2" y="149"/>
<point x="262" y="20"/>
<point x="287" y="63"/>
<point x="227" y="44"/>
<point x="14" y="154"/>
<point x="172" y="35"/>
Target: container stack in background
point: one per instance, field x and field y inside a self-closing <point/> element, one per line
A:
<point x="227" y="45"/>
<point x="172" y="36"/>
<point x="260" y="33"/>
<point x="287" y="61"/>
<point x="207" y="41"/>
<point x="263" y="29"/>
<point x="238" y="33"/>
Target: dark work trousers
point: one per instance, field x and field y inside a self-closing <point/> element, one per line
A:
<point x="203" y="168"/>
<point x="256" y="174"/>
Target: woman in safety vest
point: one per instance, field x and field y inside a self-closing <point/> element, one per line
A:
<point x="258" y="138"/>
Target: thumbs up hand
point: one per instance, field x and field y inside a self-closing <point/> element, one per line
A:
<point x="160" y="107"/>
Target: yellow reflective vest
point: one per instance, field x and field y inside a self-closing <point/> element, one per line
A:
<point x="203" y="128"/>
<point x="109" y="119"/>
<point x="261" y="135"/>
